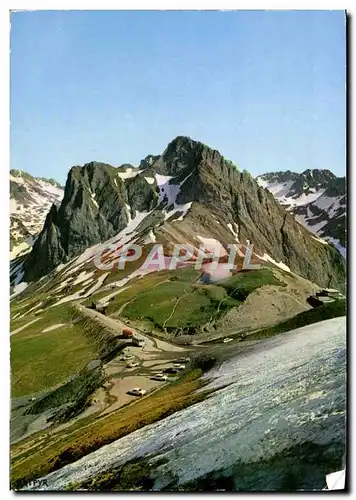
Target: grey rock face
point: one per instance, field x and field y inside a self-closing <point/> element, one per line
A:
<point x="148" y="161"/>
<point x="141" y="195"/>
<point x="238" y="197"/>
<point x="93" y="209"/>
<point x="97" y="204"/>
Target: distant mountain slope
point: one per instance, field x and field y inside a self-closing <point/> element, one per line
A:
<point x="189" y="194"/>
<point x="30" y="200"/>
<point x="317" y="199"/>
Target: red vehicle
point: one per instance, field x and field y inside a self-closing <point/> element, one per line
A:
<point x="127" y="333"/>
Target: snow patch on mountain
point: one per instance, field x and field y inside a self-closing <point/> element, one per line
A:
<point x="316" y="198"/>
<point x="320" y="240"/>
<point x="278" y="189"/>
<point x="306" y="221"/>
<point x="139" y="273"/>
<point x="329" y="204"/>
<point x="80" y="294"/>
<point x="150" y="238"/>
<point x="182" y="209"/>
<point x="129" y="173"/>
<point x="212" y="246"/>
<point x="284" y="194"/>
<point x="123" y="237"/>
<point x="167" y="192"/>
<point x="18" y="289"/>
<point x="281" y="265"/>
<point x="30" y="200"/>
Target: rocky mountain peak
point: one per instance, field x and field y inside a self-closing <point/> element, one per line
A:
<point x="184" y="154"/>
<point x="99" y="202"/>
<point x="30" y="199"/>
<point x="317" y="199"/>
<point x="189" y="179"/>
<point x="310" y="180"/>
<point x="290" y="187"/>
<point x="148" y="161"/>
<point x="318" y="174"/>
<point x="180" y="155"/>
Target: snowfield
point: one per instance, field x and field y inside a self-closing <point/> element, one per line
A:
<point x="280" y="191"/>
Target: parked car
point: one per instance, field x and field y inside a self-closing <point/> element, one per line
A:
<point x="126" y="357"/>
<point x="171" y="370"/>
<point x="136" y="391"/>
<point x="138" y="342"/>
<point x="160" y="377"/>
<point x="227" y="339"/>
<point x="179" y="366"/>
<point x="182" y="360"/>
<point x="132" y="365"/>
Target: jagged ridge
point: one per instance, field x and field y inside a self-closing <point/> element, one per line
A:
<point x="317" y="199"/>
<point x="100" y="199"/>
<point x="30" y="200"/>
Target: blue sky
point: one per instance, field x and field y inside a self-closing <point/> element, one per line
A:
<point x="267" y="89"/>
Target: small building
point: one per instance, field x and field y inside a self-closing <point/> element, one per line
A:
<point x="127" y="333"/>
<point x="319" y="300"/>
<point x="314" y="301"/>
<point x="330" y="292"/>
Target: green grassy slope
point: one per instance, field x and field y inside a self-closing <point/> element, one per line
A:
<point x="173" y="300"/>
<point x="40" y="360"/>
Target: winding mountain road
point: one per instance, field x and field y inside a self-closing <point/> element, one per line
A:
<point x="116" y="326"/>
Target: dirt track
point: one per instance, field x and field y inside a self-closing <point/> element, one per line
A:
<point x="116" y="325"/>
<point x="155" y="356"/>
<point x="269" y="305"/>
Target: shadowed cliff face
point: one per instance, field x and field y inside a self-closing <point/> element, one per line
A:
<point x="97" y="204"/>
<point x="100" y="200"/>
<point x="237" y="197"/>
